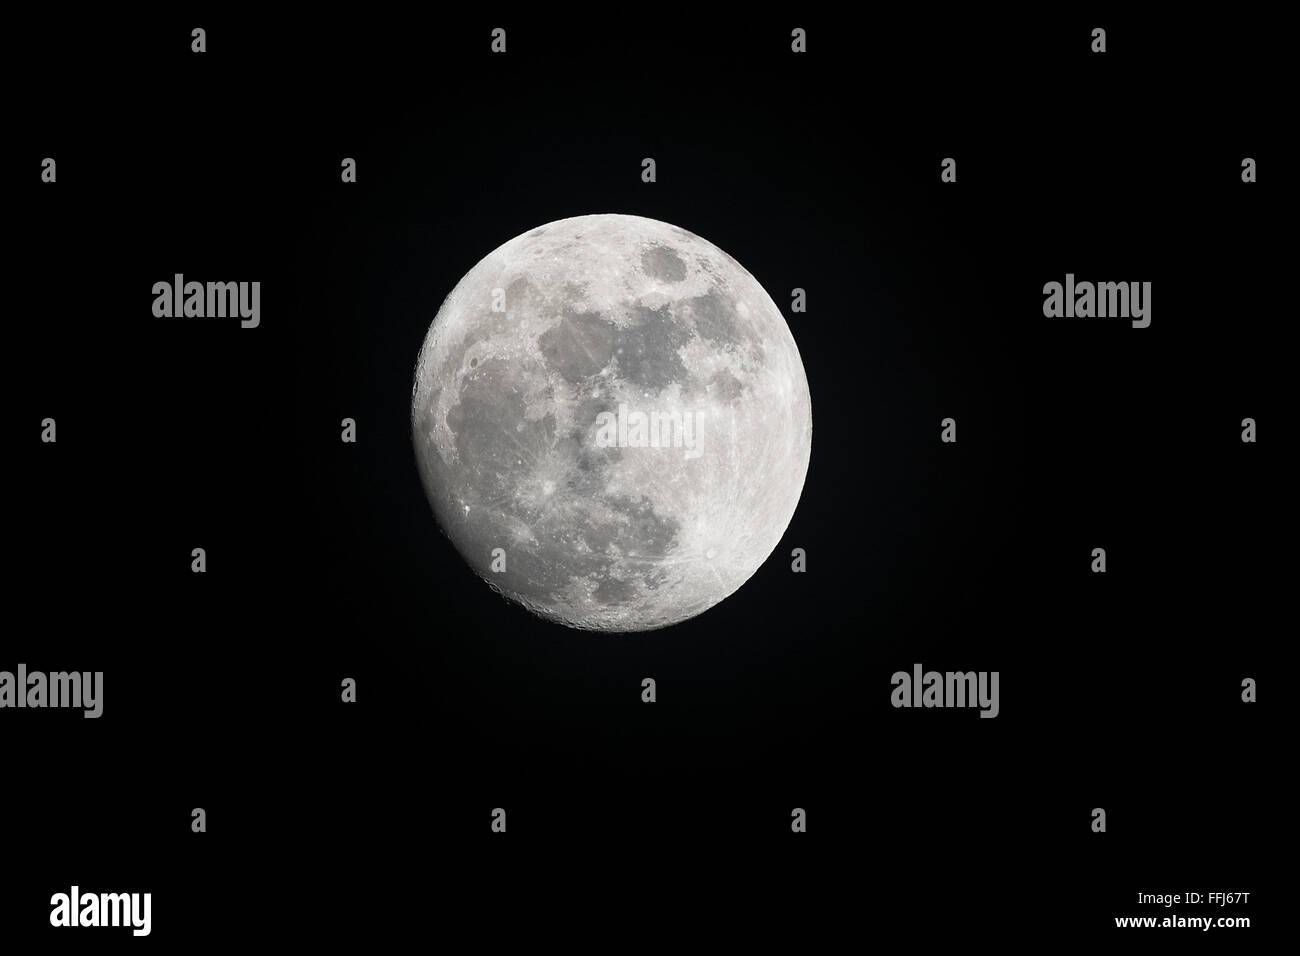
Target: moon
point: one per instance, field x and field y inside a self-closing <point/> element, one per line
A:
<point x="611" y="422"/>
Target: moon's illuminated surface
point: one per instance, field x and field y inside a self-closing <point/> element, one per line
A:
<point x="617" y="406"/>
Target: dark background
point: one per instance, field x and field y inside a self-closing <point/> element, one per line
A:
<point x="370" y="822"/>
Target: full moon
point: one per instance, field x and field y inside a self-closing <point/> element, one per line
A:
<point x="611" y="422"/>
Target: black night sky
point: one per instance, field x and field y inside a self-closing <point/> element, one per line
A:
<point x="365" y="822"/>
